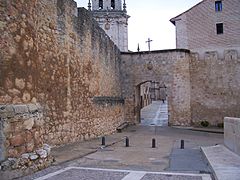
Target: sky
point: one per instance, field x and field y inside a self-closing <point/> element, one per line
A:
<point x="150" y="19"/>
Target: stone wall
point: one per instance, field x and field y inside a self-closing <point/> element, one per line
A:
<point x="22" y="129"/>
<point x="215" y="85"/>
<point x="57" y="56"/>
<point x="168" y="67"/>
<point x="232" y="134"/>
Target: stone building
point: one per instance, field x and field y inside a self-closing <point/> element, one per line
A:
<point x="112" y="17"/>
<point x="211" y="25"/>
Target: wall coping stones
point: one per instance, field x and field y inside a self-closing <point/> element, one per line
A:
<point x="9" y="111"/>
<point x="6" y="111"/>
<point x="105" y="100"/>
<point x="158" y="51"/>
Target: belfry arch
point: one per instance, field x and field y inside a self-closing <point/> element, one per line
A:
<point x="170" y="67"/>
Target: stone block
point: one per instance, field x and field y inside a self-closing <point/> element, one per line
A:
<point x="12" y="153"/>
<point x="47" y="148"/>
<point x="20" y="109"/>
<point x="28" y="124"/>
<point x="17" y="140"/>
<point x="29" y="147"/>
<point x="232" y="134"/>
<point x="39" y="107"/>
<point x="20" y="83"/>
<point x="6" y="111"/>
<point x="33" y="156"/>
<point x="39" y="122"/>
<point x="42" y="153"/>
<point x="21" y="150"/>
<point x="32" y="108"/>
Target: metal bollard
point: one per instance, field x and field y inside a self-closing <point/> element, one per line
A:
<point x="182" y="144"/>
<point x="103" y="141"/>
<point x="127" y="141"/>
<point x="153" y="143"/>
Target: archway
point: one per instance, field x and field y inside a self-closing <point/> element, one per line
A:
<point x="151" y="106"/>
<point x="170" y="67"/>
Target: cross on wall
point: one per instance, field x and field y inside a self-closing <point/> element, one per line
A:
<point x="149" y="43"/>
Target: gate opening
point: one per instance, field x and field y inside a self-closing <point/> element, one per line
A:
<point x="152" y="104"/>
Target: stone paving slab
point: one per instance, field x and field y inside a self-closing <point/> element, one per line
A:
<point x="84" y="173"/>
<point x="155" y="114"/>
<point x="225" y="163"/>
<point x="188" y="160"/>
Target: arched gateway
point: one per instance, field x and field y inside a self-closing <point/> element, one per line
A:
<point x="168" y="67"/>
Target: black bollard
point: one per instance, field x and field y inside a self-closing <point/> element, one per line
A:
<point x="103" y="141"/>
<point x="153" y="143"/>
<point x="182" y="144"/>
<point x="127" y="142"/>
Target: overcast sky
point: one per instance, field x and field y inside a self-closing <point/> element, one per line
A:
<point x="150" y="19"/>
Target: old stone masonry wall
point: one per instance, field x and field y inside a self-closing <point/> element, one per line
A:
<point x="199" y="89"/>
<point x="55" y="55"/>
<point x="168" y="67"/>
<point x="215" y="86"/>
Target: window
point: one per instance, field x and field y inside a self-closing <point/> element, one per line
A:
<point x="218" y="6"/>
<point x="219" y="28"/>
<point x="112" y="4"/>
<point x="100" y="4"/>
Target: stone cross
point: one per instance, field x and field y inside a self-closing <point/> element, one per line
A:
<point x="149" y="42"/>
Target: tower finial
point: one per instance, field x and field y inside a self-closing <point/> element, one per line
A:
<point x="138" y="48"/>
<point x="124" y="6"/>
<point x="89" y="5"/>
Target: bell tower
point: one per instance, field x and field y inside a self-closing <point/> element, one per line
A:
<point x="113" y="19"/>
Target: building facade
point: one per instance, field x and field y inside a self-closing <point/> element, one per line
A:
<point x="113" y="19"/>
<point x="209" y="26"/>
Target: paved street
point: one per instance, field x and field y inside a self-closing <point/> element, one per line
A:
<point x="76" y="173"/>
<point x="90" y="160"/>
<point x="167" y="157"/>
<point x="155" y="114"/>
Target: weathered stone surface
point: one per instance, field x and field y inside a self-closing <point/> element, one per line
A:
<point x="20" y="83"/>
<point x="32" y="108"/>
<point x="61" y="63"/>
<point x="6" y="111"/>
<point x="215" y="88"/>
<point x="28" y="124"/>
<point x="47" y="148"/>
<point x="17" y="140"/>
<point x="20" y="109"/>
<point x="14" y="92"/>
<point x="232" y="134"/>
<point x="169" y="67"/>
<point x="42" y="153"/>
<point x="25" y="156"/>
<point x="33" y="156"/>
